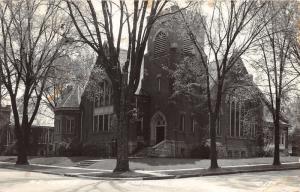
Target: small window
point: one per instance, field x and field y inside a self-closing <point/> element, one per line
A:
<point x="182" y="122"/>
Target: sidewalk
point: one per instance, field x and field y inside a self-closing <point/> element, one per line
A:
<point x="150" y="168"/>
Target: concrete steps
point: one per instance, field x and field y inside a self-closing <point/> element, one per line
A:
<point x="85" y="163"/>
<point x="144" y="152"/>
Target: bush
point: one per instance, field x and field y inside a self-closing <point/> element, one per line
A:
<point x="93" y="150"/>
<point x="267" y="151"/>
<point x="75" y="148"/>
<point x="62" y="150"/>
<point x="89" y="150"/>
<point x="202" y="151"/>
<point x="11" y="149"/>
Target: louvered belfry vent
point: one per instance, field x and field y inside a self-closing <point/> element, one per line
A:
<point x="187" y="46"/>
<point x="160" y="44"/>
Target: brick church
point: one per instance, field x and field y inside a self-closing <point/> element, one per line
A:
<point x="165" y="126"/>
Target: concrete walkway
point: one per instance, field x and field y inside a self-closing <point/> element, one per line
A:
<point x="98" y="171"/>
<point x="274" y="181"/>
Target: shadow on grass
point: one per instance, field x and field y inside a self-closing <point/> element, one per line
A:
<point x="164" y="161"/>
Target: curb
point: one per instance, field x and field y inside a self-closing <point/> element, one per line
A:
<point x="221" y="171"/>
<point x="235" y="172"/>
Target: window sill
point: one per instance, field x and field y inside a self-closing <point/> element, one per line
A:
<point x="243" y="138"/>
<point x="101" y="132"/>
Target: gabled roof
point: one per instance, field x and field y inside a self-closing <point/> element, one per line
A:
<point x="240" y="68"/>
<point x="72" y="98"/>
<point x="95" y="72"/>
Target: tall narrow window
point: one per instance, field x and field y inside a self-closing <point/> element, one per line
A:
<point x="237" y="119"/>
<point x="139" y="127"/>
<point x="67" y="126"/>
<point x="182" y="122"/>
<point x="100" y="123"/>
<point x="282" y="139"/>
<point x="111" y="118"/>
<point x="159" y="83"/>
<point x="72" y="126"/>
<point x="232" y="119"/>
<point x="254" y="129"/>
<point x="193" y="122"/>
<point x="106" y="93"/>
<point x="95" y="127"/>
<point x="242" y="121"/>
<point x="110" y="96"/>
<point x="105" y="128"/>
<point x="160" y="44"/>
<point x="102" y="96"/>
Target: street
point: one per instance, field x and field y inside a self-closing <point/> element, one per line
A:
<point x="16" y="181"/>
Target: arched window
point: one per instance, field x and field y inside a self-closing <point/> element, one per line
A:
<point x="159" y="120"/>
<point x="160" y="44"/>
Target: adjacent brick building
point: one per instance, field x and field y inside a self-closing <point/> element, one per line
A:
<point x="4" y="127"/>
<point x="40" y="141"/>
<point x="67" y="123"/>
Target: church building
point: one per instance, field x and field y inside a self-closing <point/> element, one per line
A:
<point x="165" y="126"/>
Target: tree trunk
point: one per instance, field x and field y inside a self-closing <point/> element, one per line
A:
<point x="213" y="146"/>
<point x="276" y="160"/>
<point x="22" y="145"/>
<point x="122" y="164"/>
<point x="121" y="108"/>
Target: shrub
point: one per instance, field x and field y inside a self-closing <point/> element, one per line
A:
<point x="61" y="151"/>
<point x="89" y="150"/>
<point x="11" y="149"/>
<point x="267" y="151"/>
<point x="75" y="148"/>
<point x="202" y="151"/>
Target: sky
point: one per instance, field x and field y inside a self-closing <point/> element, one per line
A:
<point x="207" y="9"/>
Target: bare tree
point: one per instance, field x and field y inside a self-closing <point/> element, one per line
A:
<point x="104" y="32"/>
<point x="230" y="29"/>
<point x="274" y="62"/>
<point x="32" y="38"/>
<point x="71" y="70"/>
